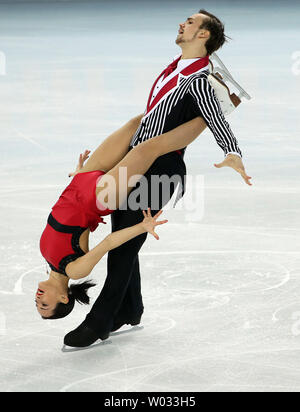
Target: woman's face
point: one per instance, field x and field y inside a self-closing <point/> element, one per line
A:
<point x="46" y="298"/>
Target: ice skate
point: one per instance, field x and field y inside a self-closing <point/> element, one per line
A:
<point x="83" y="336"/>
<point x="118" y="323"/>
<point x="220" y="79"/>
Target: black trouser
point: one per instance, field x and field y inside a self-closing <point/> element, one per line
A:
<point x="121" y="294"/>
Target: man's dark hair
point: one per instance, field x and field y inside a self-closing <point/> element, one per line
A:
<point x="75" y="293"/>
<point x="216" y="29"/>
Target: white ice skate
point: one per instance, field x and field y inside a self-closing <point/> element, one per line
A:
<point x="219" y="79"/>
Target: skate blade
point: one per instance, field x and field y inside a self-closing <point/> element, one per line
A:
<point x="69" y="349"/>
<point x="225" y="75"/>
<point x="124" y="332"/>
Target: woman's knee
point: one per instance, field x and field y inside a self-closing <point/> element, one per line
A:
<point x="149" y="149"/>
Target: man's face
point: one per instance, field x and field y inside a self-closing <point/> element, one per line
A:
<point x="189" y="29"/>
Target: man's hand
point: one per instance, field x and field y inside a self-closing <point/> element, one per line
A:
<point x="236" y="163"/>
<point x="82" y="158"/>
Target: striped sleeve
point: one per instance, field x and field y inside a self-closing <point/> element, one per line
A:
<point x="210" y="109"/>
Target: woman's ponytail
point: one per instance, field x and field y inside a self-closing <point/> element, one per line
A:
<point x="79" y="292"/>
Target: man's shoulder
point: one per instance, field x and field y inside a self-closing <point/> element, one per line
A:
<point x="200" y="76"/>
<point x="199" y="79"/>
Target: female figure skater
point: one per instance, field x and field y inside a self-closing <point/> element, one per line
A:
<point x="64" y="242"/>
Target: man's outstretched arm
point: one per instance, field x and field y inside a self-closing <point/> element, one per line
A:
<point x="210" y="109"/>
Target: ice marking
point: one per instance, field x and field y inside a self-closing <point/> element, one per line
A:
<point x="18" y="288"/>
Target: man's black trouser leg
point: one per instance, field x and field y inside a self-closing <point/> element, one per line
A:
<point x="123" y="277"/>
<point x="120" y="264"/>
<point x="132" y="306"/>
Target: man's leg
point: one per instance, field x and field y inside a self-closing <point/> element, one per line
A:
<point x="121" y="265"/>
<point x="132" y="307"/>
<point x="99" y="322"/>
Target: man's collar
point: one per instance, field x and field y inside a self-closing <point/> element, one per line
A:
<point x="183" y="63"/>
<point x="186" y="62"/>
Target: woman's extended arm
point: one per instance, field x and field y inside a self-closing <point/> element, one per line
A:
<point x="83" y="266"/>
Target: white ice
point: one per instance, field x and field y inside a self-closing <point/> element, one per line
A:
<point x="221" y="292"/>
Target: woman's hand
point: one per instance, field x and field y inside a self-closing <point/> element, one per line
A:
<point x="82" y="158"/>
<point x="149" y="223"/>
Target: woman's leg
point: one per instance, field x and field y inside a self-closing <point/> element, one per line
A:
<point x="113" y="149"/>
<point x="113" y="189"/>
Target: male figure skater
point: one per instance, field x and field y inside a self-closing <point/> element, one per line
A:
<point x="181" y="93"/>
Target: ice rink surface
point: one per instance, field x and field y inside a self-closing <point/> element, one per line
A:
<point x="221" y="292"/>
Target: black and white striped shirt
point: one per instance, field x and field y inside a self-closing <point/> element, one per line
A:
<point x="186" y="95"/>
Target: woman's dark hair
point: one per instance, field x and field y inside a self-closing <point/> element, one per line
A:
<point x="216" y="29"/>
<point x="75" y="293"/>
